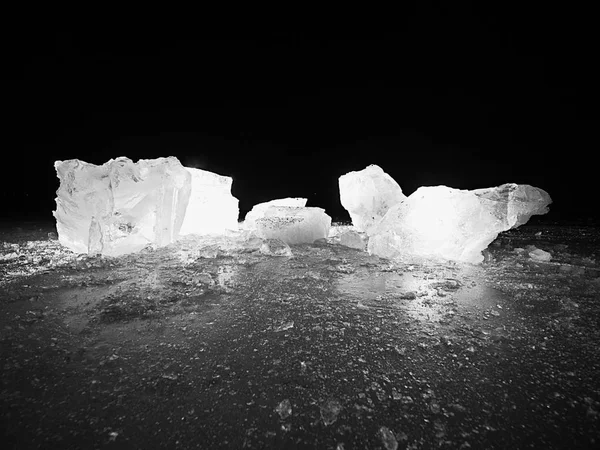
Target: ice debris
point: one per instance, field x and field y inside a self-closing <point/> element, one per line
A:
<point x="275" y="247"/>
<point x="388" y="439"/>
<point x="284" y="409"/>
<point x="540" y="255"/>
<point x="330" y="410"/>
<point x="353" y="239"/>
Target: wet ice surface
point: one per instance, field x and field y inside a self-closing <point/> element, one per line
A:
<point x="196" y="346"/>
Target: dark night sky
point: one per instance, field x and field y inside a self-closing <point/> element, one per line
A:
<point x="463" y="98"/>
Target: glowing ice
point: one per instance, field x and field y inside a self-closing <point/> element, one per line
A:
<point x="211" y="209"/>
<point x="454" y="224"/>
<point x="293" y="225"/>
<point x="258" y="211"/>
<point x="120" y="206"/>
<point x="367" y="195"/>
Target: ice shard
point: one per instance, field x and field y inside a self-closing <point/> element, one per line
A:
<point x="367" y="195"/>
<point x="294" y="225"/>
<point x="454" y="224"/>
<point x="120" y="206"/>
<point x="211" y="209"/>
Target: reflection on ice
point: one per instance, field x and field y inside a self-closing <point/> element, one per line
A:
<point x="425" y="295"/>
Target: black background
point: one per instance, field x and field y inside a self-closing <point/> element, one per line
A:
<point x="464" y="98"/>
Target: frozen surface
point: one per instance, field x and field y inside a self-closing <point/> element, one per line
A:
<point x="453" y="224"/>
<point x="294" y="225"/>
<point x="211" y="209"/>
<point x="258" y="211"/>
<point x="367" y="195"/>
<point x="120" y="206"/>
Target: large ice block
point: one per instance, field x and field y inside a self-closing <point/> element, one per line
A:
<point x="367" y="195"/>
<point x="211" y="209"/>
<point x="258" y="210"/>
<point x="294" y="225"/>
<point x="454" y="224"/>
<point x="120" y="206"/>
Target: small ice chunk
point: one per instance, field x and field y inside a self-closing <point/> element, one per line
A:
<point x="540" y="255"/>
<point x="258" y="211"/>
<point x="367" y="195"/>
<point x="275" y="247"/>
<point x="352" y="239"/>
<point x="294" y="225"/>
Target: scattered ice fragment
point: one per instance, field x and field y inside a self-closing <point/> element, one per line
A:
<point x="112" y="436"/>
<point x="352" y="239"/>
<point x="208" y="252"/>
<point x="330" y="411"/>
<point x="284" y="409"/>
<point x="275" y="247"/>
<point x="388" y="439"/>
<point x="540" y="255"/>
<point x="285" y="326"/>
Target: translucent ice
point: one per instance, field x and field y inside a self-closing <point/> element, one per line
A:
<point x="120" y="206"/>
<point x="293" y="225"/>
<point x="454" y="224"/>
<point x="367" y="195"/>
<point x="275" y="247"/>
<point x="211" y="209"/>
<point x="258" y="211"/>
<point x="353" y="239"/>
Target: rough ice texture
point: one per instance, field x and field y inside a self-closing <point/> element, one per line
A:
<point x="453" y="224"/>
<point x="211" y="209"/>
<point x="120" y="206"/>
<point x="275" y="247"/>
<point x="293" y="225"/>
<point x="367" y="195"/>
<point x="258" y="211"/>
<point x="353" y="239"/>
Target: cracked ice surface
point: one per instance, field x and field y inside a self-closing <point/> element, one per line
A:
<point x="120" y="206"/>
